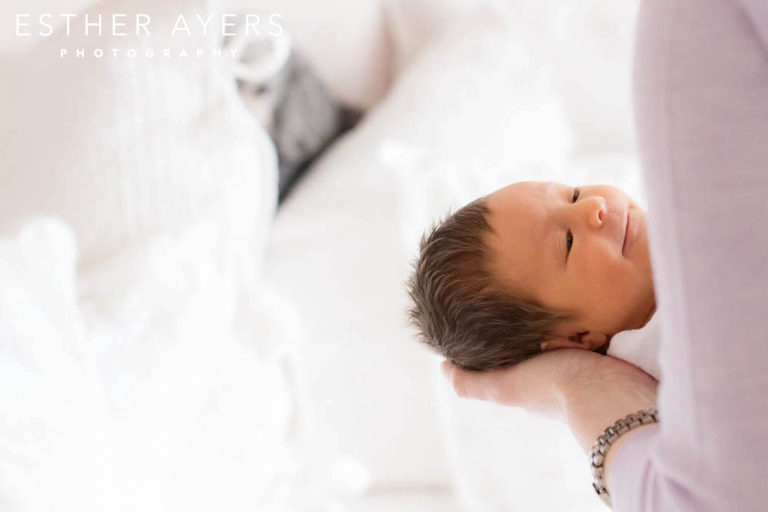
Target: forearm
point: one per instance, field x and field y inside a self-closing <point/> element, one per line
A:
<point x="623" y="391"/>
<point x="624" y="394"/>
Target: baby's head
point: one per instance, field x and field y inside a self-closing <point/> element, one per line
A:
<point x="531" y="267"/>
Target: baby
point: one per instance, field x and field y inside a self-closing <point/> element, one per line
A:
<point x="532" y="267"/>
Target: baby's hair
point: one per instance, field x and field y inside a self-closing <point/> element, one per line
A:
<point x="460" y="309"/>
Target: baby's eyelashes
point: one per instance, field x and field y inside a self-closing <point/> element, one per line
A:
<point x="576" y="192"/>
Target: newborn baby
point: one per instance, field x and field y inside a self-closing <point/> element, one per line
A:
<point x="537" y="266"/>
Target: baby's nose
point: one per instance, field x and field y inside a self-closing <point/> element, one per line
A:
<point x="595" y="211"/>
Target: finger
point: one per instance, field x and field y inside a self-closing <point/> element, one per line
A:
<point x="529" y="384"/>
<point x="453" y="374"/>
<point x="470" y="384"/>
<point x="447" y="369"/>
<point x="450" y="373"/>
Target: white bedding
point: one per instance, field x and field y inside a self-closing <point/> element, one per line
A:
<point x="145" y="365"/>
<point x="149" y="366"/>
<point x="142" y="393"/>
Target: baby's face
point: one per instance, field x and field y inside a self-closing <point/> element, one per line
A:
<point x="582" y="250"/>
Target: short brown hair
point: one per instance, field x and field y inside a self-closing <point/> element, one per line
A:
<point x="460" y="309"/>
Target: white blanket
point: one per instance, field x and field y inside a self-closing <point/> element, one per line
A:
<point x="639" y="346"/>
<point x="148" y="392"/>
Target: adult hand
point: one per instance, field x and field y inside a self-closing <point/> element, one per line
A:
<point x="587" y="390"/>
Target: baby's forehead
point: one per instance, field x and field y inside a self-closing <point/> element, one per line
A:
<point x="520" y="203"/>
<point x="517" y="195"/>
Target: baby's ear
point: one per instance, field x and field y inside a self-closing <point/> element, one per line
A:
<point x="594" y="340"/>
<point x="562" y="341"/>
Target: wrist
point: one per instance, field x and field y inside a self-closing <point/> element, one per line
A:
<point x="607" y="445"/>
<point x="587" y="424"/>
<point x="601" y="395"/>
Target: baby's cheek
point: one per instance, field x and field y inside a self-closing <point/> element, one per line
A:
<point x="607" y="273"/>
<point x="599" y="263"/>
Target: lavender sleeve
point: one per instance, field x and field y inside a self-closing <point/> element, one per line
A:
<point x="701" y="92"/>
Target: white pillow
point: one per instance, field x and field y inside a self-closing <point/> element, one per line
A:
<point x="122" y="147"/>
<point x="414" y="25"/>
<point x="585" y="49"/>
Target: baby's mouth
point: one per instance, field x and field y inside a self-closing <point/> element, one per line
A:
<point x="626" y="233"/>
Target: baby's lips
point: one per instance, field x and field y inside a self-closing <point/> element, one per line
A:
<point x="625" y="239"/>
